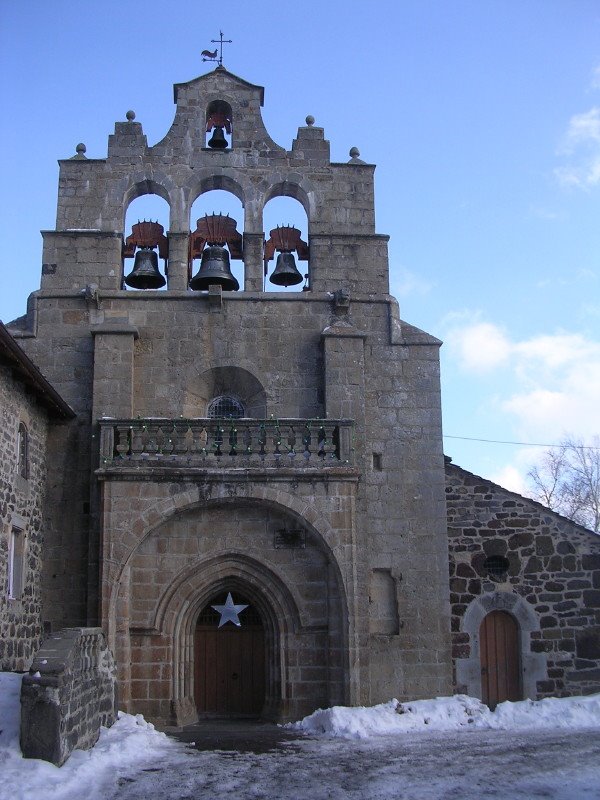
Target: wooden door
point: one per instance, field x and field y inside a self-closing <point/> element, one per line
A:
<point x="229" y="664"/>
<point x="500" y="662"/>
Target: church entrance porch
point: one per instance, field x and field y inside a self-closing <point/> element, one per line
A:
<point x="290" y="654"/>
<point x="229" y="659"/>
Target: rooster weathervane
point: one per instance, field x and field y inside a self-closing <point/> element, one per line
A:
<point x="211" y="55"/>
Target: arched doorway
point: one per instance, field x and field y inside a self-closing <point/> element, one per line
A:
<point x="499" y="656"/>
<point x="229" y="659"/>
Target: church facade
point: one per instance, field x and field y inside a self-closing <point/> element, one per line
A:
<point x="278" y="450"/>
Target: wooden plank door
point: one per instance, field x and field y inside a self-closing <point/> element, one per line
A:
<point x="229" y="666"/>
<point x="500" y="662"/>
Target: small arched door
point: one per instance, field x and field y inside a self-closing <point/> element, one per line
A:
<point x="500" y="661"/>
<point x="229" y="663"/>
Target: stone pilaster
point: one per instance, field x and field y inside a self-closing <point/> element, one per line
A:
<point x="178" y="261"/>
<point x="113" y="369"/>
<point x="253" y="262"/>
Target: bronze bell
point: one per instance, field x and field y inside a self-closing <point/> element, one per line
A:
<point x="218" y="141"/>
<point x="285" y="272"/>
<point x="145" y="274"/>
<point x="214" y="268"/>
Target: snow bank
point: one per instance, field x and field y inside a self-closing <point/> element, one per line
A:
<point x="130" y="743"/>
<point x="451" y="713"/>
<point x="133" y="745"/>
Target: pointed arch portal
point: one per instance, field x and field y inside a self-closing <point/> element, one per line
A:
<point x="229" y="661"/>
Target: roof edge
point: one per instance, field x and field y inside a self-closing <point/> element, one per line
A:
<point x="450" y="465"/>
<point x="32" y="377"/>
<point x="220" y="70"/>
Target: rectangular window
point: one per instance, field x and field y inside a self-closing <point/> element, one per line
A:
<point x="23" y="451"/>
<point x="15" y="564"/>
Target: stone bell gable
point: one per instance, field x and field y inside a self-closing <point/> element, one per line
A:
<point x="283" y="446"/>
<point x="94" y="193"/>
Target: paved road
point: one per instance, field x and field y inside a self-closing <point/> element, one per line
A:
<point x="467" y="765"/>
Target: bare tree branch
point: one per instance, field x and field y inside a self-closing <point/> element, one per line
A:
<point x="567" y="480"/>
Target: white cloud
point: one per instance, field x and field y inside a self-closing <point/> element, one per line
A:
<point x="581" y="147"/>
<point x="547" y="214"/>
<point x="511" y="478"/>
<point x="583" y="129"/>
<point x="407" y="283"/>
<point x="548" y="389"/>
<point x="480" y="347"/>
<point x="551" y="382"/>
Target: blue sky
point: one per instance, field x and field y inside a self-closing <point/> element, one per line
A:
<point x="483" y="118"/>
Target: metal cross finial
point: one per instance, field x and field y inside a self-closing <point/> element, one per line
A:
<point x="211" y="55"/>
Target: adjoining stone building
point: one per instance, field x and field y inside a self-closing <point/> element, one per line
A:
<point x="524" y="595"/>
<point x="282" y="447"/>
<point x="29" y="408"/>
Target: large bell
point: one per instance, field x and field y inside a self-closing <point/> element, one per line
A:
<point x="145" y="274"/>
<point x="285" y="272"/>
<point x="214" y="269"/>
<point x="218" y="141"/>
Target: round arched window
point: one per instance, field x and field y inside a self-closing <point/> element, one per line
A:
<point x="496" y="566"/>
<point x="225" y="407"/>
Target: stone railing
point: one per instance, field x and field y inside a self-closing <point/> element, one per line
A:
<point x="69" y="693"/>
<point x="298" y="443"/>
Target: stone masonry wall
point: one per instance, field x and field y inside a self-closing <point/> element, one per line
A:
<point x="69" y="693"/>
<point x="308" y="354"/>
<point x="553" y="566"/>
<point x="20" y="507"/>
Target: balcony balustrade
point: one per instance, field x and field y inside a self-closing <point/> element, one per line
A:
<point x="226" y="443"/>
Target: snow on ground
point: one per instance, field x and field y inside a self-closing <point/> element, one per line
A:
<point x="548" y="749"/>
<point x="130" y="743"/>
<point x="451" y="714"/>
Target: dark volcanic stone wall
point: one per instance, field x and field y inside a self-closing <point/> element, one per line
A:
<point x="20" y="507"/>
<point x="552" y="580"/>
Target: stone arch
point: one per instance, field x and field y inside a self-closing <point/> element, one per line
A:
<point x="227" y="379"/>
<point x="223" y="181"/>
<point x="143" y="185"/>
<point x="293" y="639"/>
<point x="533" y="665"/>
<point x="300" y="190"/>
<point x="191" y="592"/>
<point x="164" y="508"/>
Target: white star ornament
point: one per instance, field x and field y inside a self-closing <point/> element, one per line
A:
<point x="230" y="611"/>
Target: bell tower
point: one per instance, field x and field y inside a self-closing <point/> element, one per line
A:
<point x="283" y="447"/>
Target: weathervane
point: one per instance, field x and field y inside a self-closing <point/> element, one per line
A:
<point x="211" y="55"/>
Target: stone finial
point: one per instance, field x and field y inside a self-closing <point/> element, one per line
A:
<point x="310" y="120"/>
<point x="130" y="115"/>
<point x="355" y="156"/>
<point x="80" y="151"/>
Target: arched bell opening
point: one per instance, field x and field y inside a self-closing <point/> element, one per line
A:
<point x="231" y="646"/>
<point x="219" y="125"/>
<point x="145" y="241"/>
<point x="216" y="243"/>
<point x="286" y="253"/>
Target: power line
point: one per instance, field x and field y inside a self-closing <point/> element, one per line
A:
<point x="522" y="444"/>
